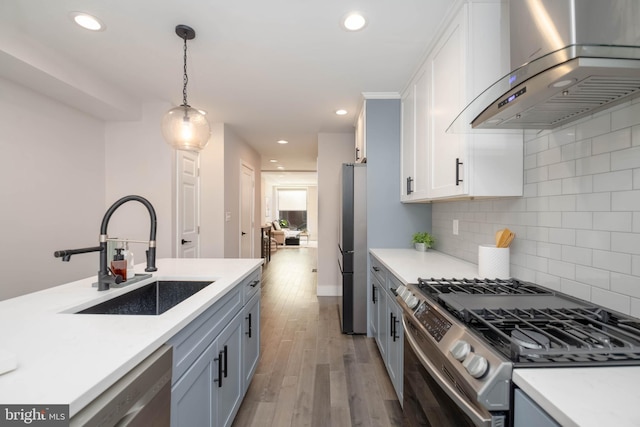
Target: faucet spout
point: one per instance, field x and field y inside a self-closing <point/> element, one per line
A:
<point x="103" y="274"/>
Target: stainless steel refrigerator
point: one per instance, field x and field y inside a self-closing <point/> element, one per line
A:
<point x="352" y="245"/>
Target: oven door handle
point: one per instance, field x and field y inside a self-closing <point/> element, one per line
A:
<point x="476" y="416"/>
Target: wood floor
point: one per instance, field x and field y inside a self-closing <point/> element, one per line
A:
<point x="310" y="374"/>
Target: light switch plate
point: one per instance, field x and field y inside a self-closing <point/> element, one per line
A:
<point x="455" y="227"/>
<point x="227" y="216"/>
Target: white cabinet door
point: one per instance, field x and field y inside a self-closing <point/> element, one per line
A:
<point x="192" y="395"/>
<point x="447" y="66"/>
<point x="414" y="184"/>
<point x="228" y="390"/>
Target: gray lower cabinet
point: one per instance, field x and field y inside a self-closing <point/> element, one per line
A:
<point x="251" y="337"/>
<point x="527" y="413"/>
<point x="388" y="330"/>
<point x="215" y="357"/>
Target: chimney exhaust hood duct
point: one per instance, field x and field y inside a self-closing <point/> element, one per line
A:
<point x="570" y="59"/>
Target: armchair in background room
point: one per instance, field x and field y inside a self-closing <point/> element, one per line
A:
<point x="277" y="232"/>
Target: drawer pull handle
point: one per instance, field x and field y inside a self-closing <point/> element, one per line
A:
<point x="249" y="319"/>
<point x="254" y="283"/>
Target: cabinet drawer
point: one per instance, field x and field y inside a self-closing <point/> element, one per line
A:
<point x="251" y="285"/>
<point x="190" y="342"/>
<point x="393" y="283"/>
<point x="378" y="270"/>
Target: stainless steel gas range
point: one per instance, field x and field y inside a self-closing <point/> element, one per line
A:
<point x="465" y="337"/>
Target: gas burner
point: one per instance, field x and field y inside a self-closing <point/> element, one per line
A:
<point x="529" y="339"/>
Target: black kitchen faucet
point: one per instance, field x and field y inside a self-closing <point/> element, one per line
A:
<point x="105" y="275"/>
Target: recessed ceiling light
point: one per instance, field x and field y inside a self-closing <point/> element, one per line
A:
<point x="354" y="21"/>
<point x="282" y="141"/>
<point x="273" y="161"/>
<point x="280" y="167"/>
<point x="341" y="112"/>
<point x="87" y="21"/>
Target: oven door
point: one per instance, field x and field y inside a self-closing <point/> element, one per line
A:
<point x="429" y="398"/>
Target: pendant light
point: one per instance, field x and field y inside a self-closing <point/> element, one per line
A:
<point x="184" y="127"/>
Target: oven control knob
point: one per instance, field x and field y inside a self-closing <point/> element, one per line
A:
<point x="460" y="349"/>
<point x="476" y="365"/>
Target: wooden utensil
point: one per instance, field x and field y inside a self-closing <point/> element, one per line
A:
<point x="504" y="235"/>
<point x="498" y="235"/>
<point x="510" y="238"/>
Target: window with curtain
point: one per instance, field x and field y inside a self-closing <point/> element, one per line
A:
<point x="292" y="207"/>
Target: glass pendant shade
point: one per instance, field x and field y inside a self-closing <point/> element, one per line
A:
<point x="185" y="128"/>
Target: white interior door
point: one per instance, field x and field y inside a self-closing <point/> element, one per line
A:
<point x="188" y="221"/>
<point x="246" y="211"/>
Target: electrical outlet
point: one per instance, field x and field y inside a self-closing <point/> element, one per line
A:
<point x="455" y="227"/>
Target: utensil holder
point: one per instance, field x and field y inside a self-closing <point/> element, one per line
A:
<point x="493" y="263"/>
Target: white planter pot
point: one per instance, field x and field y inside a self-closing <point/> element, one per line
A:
<point x="422" y="247"/>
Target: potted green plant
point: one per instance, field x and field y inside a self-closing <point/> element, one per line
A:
<point x="423" y="241"/>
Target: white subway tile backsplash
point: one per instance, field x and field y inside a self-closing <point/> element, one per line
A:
<point x="613" y="221"/>
<point x="562" y="236"/>
<point x="625" y="117"/>
<point x="625" y="242"/>
<point x="562" y="170"/>
<point x="578" y="223"/>
<point x="625" y="284"/>
<point x="576" y="150"/>
<point x="613" y="181"/>
<point x="612" y="261"/>
<point x="593" y="202"/>
<point x="580" y="220"/>
<point x="593" y="239"/>
<point x="550" y="219"/>
<point x="579" y="290"/>
<point x="576" y="255"/>
<point x="562" y="136"/>
<point x="548" y="188"/>
<point x="625" y="200"/>
<point x="613" y="141"/>
<point x="625" y="159"/>
<point x="598" y="125"/>
<point x="562" y="269"/>
<point x="536" y="175"/>
<point x="536" y="145"/>
<point x="553" y="155"/>
<point x="549" y="250"/>
<point x="594" y="164"/>
<point x="616" y="301"/>
<point x="593" y="276"/>
<point x="580" y="184"/>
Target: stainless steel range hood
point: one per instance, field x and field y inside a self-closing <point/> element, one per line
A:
<point x="570" y="58"/>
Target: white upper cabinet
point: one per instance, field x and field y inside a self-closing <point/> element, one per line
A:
<point x="467" y="58"/>
<point x="414" y="172"/>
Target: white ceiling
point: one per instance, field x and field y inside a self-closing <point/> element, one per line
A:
<point x="275" y="69"/>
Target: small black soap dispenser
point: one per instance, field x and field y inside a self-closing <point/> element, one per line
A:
<point x="119" y="264"/>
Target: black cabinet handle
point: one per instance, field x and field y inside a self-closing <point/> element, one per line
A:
<point x="394" y="333"/>
<point x="373" y="293"/>
<point x="249" y="319"/>
<point x="219" y="360"/>
<point x="409" y="185"/>
<point x="376" y="268"/>
<point x="391" y="324"/>
<point x="254" y="283"/>
<point x="225" y="361"/>
<point x="458" y="164"/>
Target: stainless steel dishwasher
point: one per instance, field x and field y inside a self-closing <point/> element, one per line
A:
<point x="142" y="397"/>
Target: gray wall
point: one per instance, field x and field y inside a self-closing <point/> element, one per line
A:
<point x="390" y="224"/>
<point x="578" y="224"/>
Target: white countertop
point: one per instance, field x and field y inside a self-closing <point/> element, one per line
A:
<point x="409" y="264"/>
<point x="66" y="358"/>
<point x="585" y="397"/>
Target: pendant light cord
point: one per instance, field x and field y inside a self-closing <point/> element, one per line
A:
<point x="185" y="78"/>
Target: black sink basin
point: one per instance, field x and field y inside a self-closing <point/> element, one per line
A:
<point x="151" y="300"/>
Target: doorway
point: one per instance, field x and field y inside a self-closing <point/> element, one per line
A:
<point x="247" y="196"/>
<point x="188" y="204"/>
